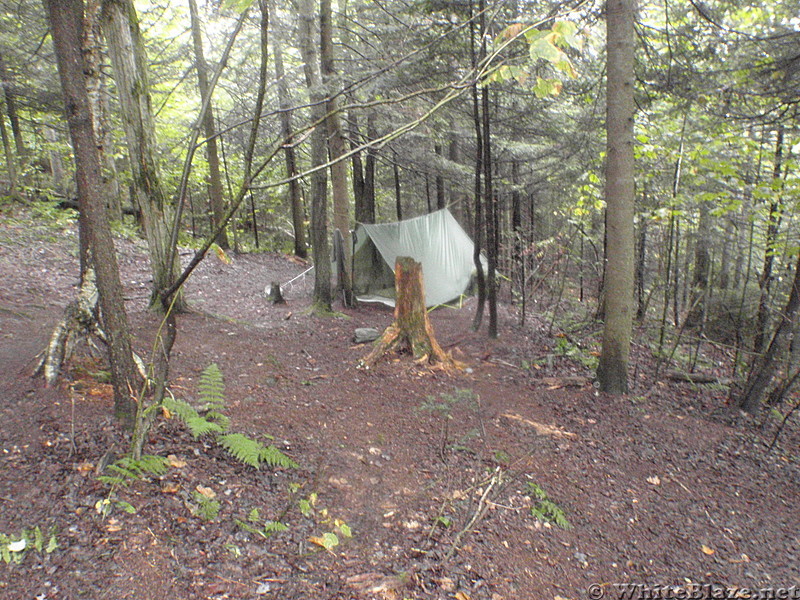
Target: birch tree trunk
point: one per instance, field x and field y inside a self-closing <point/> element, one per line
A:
<point x="97" y="93"/>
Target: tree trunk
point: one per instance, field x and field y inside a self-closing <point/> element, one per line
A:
<point x="11" y="161"/>
<point x="337" y="148"/>
<point x="492" y="217"/>
<point x="440" y="199"/>
<point x="215" y="193"/>
<point x="126" y="49"/>
<point x="319" y="180"/>
<point x="412" y="328"/>
<point x="702" y="267"/>
<point x="479" y="156"/>
<point x="99" y="106"/>
<point x="285" y="104"/>
<point x="398" y="205"/>
<point x="11" y="109"/>
<point x="763" y="372"/>
<point x="66" y="24"/>
<point x="773" y="225"/>
<point x="370" y="164"/>
<point x="612" y="371"/>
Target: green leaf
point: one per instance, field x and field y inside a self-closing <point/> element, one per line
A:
<point x="545" y="49"/>
<point x="238" y="6"/>
<point x="305" y="507"/>
<point x="52" y="544"/>
<point x="126" y="506"/>
<point x="329" y="540"/>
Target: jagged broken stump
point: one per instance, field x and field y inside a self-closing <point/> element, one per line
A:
<point x="411" y="329"/>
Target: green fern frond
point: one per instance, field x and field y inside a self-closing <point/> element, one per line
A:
<point x="197" y="424"/>
<point x="242" y="448"/>
<point x="271" y="527"/>
<point x="223" y="421"/>
<point x="153" y="464"/>
<point x="212" y="387"/>
<point x="275" y="458"/>
<point x="180" y="408"/>
<point x="546" y="510"/>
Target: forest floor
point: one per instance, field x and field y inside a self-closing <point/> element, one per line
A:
<point x="433" y="474"/>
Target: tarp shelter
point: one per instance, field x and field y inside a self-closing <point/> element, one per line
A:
<point x="436" y="240"/>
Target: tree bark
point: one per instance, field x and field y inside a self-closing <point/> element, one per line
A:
<point x="215" y="193"/>
<point x="66" y="23"/>
<point x="11" y="162"/>
<point x="412" y="328"/>
<point x="441" y="202"/>
<point x="285" y="103"/>
<point x="763" y="372"/>
<point x="492" y="218"/>
<point x="773" y="226"/>
<point x="398" y="204"/>
<point x="612" y="371"/>
<point x="11" y="109"/>
<point x="126" y="49"/>
<point x="319" y="179"/>
<point x="337" y="148"/>
<point x="479" y="157"/>
<point x="99" y="106"/>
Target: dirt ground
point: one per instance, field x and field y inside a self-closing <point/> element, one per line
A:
<point x="434" y="475"/>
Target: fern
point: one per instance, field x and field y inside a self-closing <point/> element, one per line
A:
<point x="270" y="528"/>
<point x="212" y="388"/>
<point x="546" y="510"/>
<point x="207" y="508"/>
<point x="213" y="422"/>
<point x="212" y="396"/>
<point x="126" y="469"/>
<point x="275" y="458"/>
<point x="242" y="448"/>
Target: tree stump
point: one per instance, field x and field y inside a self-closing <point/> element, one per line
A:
<point x="274" y="293"/>
<point x="411" y="329"/>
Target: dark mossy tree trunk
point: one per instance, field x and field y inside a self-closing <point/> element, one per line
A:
<point x="215" y="194"/>
<point x="66" y="25"/>
<point x="411" y="330"/>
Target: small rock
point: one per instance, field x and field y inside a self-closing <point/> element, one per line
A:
<point x="366" y="334"/>
<point x="263" y="588"/>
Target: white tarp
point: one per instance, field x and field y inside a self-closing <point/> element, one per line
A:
<point x="436" y="240"/>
